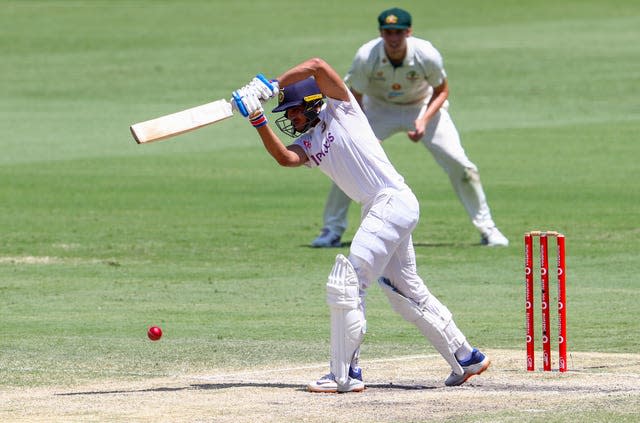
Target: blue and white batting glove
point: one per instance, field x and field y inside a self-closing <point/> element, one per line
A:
<point x="246" y="101"/>
<point x="265" y="88"/>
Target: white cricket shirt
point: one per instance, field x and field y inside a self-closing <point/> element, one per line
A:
<point x="372" y="73"/>
<point x="345" y="148"/>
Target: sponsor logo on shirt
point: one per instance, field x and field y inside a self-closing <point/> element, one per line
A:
<point x="324" y="149"/>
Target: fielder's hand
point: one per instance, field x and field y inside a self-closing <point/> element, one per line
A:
<point x="246" y="101"/>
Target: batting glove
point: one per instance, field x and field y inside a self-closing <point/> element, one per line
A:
<point x="246" y="101"/>
<point x="266" y="89"/>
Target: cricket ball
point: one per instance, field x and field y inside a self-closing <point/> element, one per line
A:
<point x="154" y="333"/>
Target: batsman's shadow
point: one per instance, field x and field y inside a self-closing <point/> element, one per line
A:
<point x="401" y="387"/>
<point x="224" y="385"/>
<point x="303" y="388"/>
<point x="347" y="244"/>
<point x="230" y="385"/>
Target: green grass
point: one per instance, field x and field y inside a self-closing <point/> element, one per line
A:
<point x="207" y="237"/>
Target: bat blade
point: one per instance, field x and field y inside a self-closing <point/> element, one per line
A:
<point x="180" y="122"/>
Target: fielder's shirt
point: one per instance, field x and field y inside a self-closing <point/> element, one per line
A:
<point x="372" y="73"/>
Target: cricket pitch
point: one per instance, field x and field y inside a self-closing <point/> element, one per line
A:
<point x="398" y="389"/>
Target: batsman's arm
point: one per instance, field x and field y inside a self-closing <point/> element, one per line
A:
<point x="328" y="80"/>
<point x="246" y="100"/>
<point x="287" y="156"/>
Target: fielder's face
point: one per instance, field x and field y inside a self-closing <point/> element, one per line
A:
<point x="395" y="41"/>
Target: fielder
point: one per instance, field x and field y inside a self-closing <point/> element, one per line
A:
<point x="332" y="133"/>
<point x="400" y="83"/>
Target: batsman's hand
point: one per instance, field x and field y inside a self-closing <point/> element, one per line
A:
<point x="246" y="101"/>
<point x="264" y="88"/>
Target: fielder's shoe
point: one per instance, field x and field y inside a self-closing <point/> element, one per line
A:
<point x="477" y="364"/>
<point x="327" y="383"/>
<point x="494" y="238"/>
<point x="327" y="239"/>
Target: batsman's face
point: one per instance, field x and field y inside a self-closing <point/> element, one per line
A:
<point x="297" y="117"/>
<point x="395" y="40"/>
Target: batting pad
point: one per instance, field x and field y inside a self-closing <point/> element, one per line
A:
<point x="433" y="319"/>
<point x="348" y="324"/>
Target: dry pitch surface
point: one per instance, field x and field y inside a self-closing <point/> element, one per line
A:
<point x="404" y="389"/>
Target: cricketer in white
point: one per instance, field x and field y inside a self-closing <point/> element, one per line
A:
<point x="334" y="135"/>
<point x="401" y="83"/>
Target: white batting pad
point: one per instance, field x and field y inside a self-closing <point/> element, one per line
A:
<point x="348" y="324"/>
<point x="434" y="320"/>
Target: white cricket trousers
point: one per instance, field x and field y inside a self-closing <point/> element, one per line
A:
<point x="382" y="245"/>
<point x="441" y="138"/>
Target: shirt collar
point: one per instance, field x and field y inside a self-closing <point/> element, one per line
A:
<point x="409" y="58"/>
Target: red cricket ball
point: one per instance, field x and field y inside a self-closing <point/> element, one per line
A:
<point x="154" y="333"/>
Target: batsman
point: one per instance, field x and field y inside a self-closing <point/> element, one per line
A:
<point x="332" y="133"/>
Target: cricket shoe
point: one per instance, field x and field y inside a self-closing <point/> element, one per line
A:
<point x="327" y="383"/>
<point x="492" y="237"/>
<point x="327" y="239"/>
<point x="477" y="364"/>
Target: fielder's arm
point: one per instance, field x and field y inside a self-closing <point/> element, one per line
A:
<point x="440" y="95"/>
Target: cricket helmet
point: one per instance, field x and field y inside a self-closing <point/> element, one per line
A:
<point x="303" y="93"/>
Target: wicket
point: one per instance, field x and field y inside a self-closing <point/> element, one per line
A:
<point x="529" y="297"/>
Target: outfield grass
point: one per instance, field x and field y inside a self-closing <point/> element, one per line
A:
<point x="205" y="236"/>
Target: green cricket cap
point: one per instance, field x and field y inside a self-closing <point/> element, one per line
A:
<point x="394" y="18"/>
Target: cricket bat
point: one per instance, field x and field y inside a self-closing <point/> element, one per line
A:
<point x="180" y="122"/>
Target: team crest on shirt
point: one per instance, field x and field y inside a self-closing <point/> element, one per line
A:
<point x="413" y="76"/>
<point x="379" y="76"/>
<point x="307" y="144"/>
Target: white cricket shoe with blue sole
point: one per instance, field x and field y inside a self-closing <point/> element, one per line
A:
<point x="327" y="383"/>
<point x="477" y="364"/>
